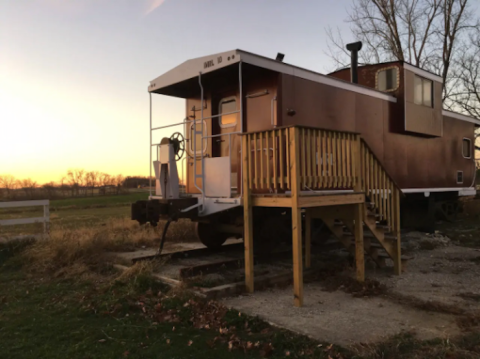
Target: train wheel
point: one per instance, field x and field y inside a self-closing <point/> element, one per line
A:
<point x="207" y="234"/>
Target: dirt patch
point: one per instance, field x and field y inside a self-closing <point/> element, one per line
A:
<point x="469" y="321"/>
<point x="369" y="288"/>
<point x="426" y="305"/>
<point x="414" y="241"/>
<point x="470" y="296"/>
<point x="464" y="232"/>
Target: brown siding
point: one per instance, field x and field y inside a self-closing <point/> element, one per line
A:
<point x="413" y="161"/>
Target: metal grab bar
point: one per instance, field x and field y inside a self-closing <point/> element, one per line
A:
<point x="185" y="121"/>
<point x="272" y="112"/>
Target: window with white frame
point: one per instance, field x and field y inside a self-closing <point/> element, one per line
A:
<point x="387" y="79"/>
<point x="226" y="106"/>
<point x="467" y="148"/>
<point x="423" y="91"/>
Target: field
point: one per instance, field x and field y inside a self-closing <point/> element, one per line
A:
<point x="74" y="212"/>
<point x="62" y="298"/>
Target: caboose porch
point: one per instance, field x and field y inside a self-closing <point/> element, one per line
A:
<point x="329" y="175"/>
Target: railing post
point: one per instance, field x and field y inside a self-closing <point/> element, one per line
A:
<point x="247" y="217"/>
<point x="359" y="246"/>
<point x="308" y="238"/>
<point x="357" y="168"/>
<point x="296" y="217"/>
<point x="398" y="255"/>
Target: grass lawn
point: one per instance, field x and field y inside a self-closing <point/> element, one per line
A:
<point x="45" y="318"/>
<point x="73" y="212"/>
<point x="96" y="201"/>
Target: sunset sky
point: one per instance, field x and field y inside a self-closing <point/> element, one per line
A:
<point x="74" y="74"/>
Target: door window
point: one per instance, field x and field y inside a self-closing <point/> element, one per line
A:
<point x="227" y="106"/>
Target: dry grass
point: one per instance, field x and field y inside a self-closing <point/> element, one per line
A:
<point x="83" y="251"/>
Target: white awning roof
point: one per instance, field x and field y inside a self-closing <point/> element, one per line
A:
<point x="191" y="69"/>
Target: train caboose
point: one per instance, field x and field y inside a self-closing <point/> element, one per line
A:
<point x="265" y="140"/>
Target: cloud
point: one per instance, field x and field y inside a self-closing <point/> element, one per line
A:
<point x="152" y="5"/>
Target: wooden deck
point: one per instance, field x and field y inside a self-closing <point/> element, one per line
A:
<point x="330" y="175"/>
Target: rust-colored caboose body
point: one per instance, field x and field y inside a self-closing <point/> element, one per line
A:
<point x="268" y="140"/>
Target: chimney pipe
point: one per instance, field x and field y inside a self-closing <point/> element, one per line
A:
<point x="354" y="48"/>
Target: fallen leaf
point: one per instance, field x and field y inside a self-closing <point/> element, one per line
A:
<point x="168" y="341"/>
<point x="125" y="353"/>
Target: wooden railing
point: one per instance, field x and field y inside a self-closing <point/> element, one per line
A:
<point x="380" y="189"/>
<point x="327" y="159"/>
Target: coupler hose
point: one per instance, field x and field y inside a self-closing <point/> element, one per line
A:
<point x="164" y="233"/>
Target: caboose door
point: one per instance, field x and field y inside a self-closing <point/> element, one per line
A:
<point x="224" y="127"/>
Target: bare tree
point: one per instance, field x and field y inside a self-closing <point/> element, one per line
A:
<point x="50" y="190"/>
<point x="91" y="180"/>
<point x="9" y="183"/>
<point x="76" y="180"/>
<point x="425" y="33"/>
<point x="28" y="186"/>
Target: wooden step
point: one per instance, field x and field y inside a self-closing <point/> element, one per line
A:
<point x="368" y="234"/>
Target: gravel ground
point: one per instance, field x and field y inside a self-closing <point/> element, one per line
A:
<point x="446" y="275"/>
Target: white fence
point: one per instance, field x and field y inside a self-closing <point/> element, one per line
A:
<point x="45" y="219"/>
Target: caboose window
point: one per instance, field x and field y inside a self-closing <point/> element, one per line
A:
<point x="467" y="148"/>
<point x="387" y="79"/>
<point x="423" y="91"/>
<point x="227" y="106"/>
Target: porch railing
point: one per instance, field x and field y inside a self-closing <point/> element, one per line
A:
<point x="326" y="160"/>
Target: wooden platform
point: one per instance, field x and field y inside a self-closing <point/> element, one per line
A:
<point x="329" y="175"/>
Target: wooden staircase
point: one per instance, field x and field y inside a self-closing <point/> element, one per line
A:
<point x="380" y="242"/>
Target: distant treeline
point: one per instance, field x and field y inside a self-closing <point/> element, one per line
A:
<point x="76" y="183"/>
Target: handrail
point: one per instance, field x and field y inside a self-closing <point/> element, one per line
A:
<point x="380" y="188"/>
